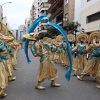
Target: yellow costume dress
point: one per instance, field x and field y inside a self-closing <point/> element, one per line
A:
<point x="47" y="69"/>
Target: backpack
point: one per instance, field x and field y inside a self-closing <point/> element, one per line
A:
<point x="2" y="46"/>
<point x="96" y="52"/>
<point x="33" y="51"/>
<point x="81" y="49"/>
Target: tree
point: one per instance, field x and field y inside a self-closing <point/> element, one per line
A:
<point x="52" y="32"/>
<point x="74" y="27"/>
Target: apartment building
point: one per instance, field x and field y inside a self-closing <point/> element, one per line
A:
<point x="27" y="24"/>
<point x="90" y="15"/>
<point x="1" y="13"/>
<point x="20" y="32"/>
<point x="69" y="11"/>
<point x="55" y="11"/>
<point x="34" y="13"/>
<point x="43" y="8"/>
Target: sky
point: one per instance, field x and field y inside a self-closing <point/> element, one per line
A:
<point x="16" y="12"/>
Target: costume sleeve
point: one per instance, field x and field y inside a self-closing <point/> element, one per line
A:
<point x="37" y="48"/>
<point x="75" y="48"/>
<point x="88" y="48"/>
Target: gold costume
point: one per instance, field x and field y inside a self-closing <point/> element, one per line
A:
<point x="3" y="76"/>
<point x="47" y="69"/>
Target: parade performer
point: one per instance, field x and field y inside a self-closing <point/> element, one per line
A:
<point x="15" y="49"/>
<point x="72" y="42"/>
<point x="6" y="58"/>
<point x="59" y="47"/>
<point x="3" y="73"/>
<point x="47" y="69"/>
<point x="53" y="49"/>
<point x="49" y="45"/>
<point x="59" y="28"/>
<point x="80" y="50"/>
<point x="93" y="65"/>
<point x="65" y="53"/>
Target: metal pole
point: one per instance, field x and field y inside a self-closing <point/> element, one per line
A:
<point x="5" y="3"/>
<point x="2" y="11"/>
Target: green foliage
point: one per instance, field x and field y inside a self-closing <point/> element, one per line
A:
<point x="51" y="32"/>
<point x="74" y="27"/>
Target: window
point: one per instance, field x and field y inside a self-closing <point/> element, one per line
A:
<point x="93" y="17"/>
<point x="66" y="1"/>
<point x="88" y="0"/>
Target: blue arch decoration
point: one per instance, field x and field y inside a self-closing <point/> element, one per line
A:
<point x="59" y="28"/>
<point x="30" y="30"/>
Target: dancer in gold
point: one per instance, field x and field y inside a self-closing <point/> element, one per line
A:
<point x="93" y="65"/>
<point x="80" y="49"/>
<point x="47" y="69"/>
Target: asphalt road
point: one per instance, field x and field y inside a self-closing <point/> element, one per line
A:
<point x="23" y="88"/>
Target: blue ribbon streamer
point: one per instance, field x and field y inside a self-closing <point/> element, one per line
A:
<point x="59" y="28"/>
<point x="30" y="30"/>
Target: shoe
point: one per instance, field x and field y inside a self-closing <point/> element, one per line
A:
<point x="12" y="78"/>
<point x="55" y="85"/>
<point x="39" y="87"/>
<point x="96" y="79"/>
<point x="15" y="68"/>
<point x="74" y="74"/>
<point x="2" y="93"/>
<point x="98" y="86"/>
<point x="80" y="78"/>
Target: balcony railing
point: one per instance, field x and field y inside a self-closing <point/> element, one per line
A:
<point x="56" y="1"/>
<point x="57" y="12"/>
<point x="44" y="21"/>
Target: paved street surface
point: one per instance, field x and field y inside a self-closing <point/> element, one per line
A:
<point x="23" y="87"/>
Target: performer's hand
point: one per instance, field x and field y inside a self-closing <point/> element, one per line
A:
<point x="41" y="45"/>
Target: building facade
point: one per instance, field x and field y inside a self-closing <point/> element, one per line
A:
<point x="20" y="32"/>
<point x="34" y="13"/>
<point x="55" y="11"/>
<point x="1" y="13"/>
<point x="90" y="15"/>
<point x="15" y="33"/>
<point x="44" y="6"/>
<point x="69" y="11"/>
<point x="27" y="24"/>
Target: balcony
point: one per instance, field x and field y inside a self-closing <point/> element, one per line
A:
<point x="43" y="28"/>
<point x="44" y="21"/>
<point x="57" y="12"/>
<point x="43" y="9"/>
<point x="55" y="2"/>
<point x="51" y="1"/>
<point x="42" y="31"/>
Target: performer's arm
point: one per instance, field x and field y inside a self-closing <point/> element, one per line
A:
<point x="88" y="48"/>
<point x="75" y="48"/>
<point x="37" y="48"/>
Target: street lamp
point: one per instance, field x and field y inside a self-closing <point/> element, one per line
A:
<point x="2" y="9"/>
<point x="2" y="13"/>
<point x="5" y="3"/>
